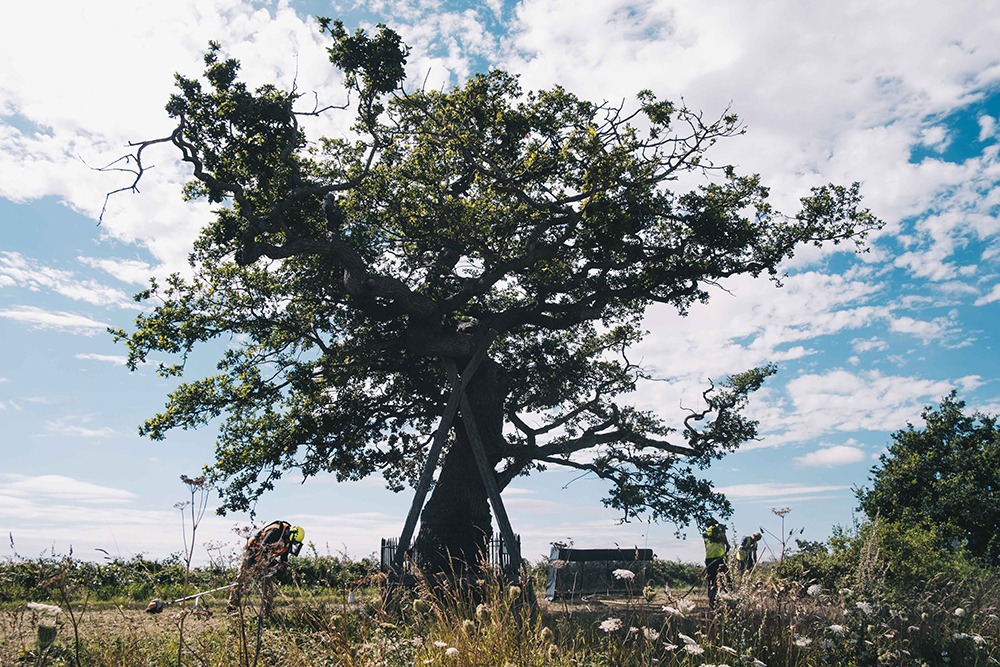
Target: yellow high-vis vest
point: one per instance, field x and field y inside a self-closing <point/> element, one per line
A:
<point x="714" y="546"/>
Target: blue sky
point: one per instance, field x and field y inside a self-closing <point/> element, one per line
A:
<point x="904" y="98"/>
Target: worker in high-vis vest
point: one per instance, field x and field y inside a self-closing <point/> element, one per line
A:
<point x="747" y="555"/>
<point x="716" y="548"/>
<point x="265" y="555"/>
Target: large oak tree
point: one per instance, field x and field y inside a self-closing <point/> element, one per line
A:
<point x="537" y="226"/>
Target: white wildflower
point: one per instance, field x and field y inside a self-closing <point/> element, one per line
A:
<point x="417" y="641"/>
<point x="673" y="610"/>
<point x="802" y="640"/>
<point x="650" y="634"/>
<point x="961" y="635"/>
<point x="440" y="644"/>
<point x="814" y="591"/>
<point x="846" y="591"/>
<point x="960" y="612"/>
<point x="865" y="607"/>
<point x="694" y="649"/>
<point x="829" y="644"/>
<point x="633" y="630"/>
<point x="685" y="606"/>
<point x="758" y="663"/>
<point x="451" y="652"/>
<point x="913" y="628"/>
<point x="838" y="630"/>
<point x="611" y="625"/>
<point x="45" y="608"/>
<point x="730" y="651"/>
<point x="684" y="638"/>
<point x="670" y="647"/>
<point x="623" y="574"/>
<point x="726" y="595"/>
<point x="978" y="639"/>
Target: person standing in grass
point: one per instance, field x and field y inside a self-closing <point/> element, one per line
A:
<point x="265" y="555"/>
<point x="716" y="548"/>
<point x="747" y="555"/>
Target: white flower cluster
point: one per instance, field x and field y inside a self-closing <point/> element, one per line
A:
<point x="690" y="645"/>
<point x="623" y="574"/>
<point x="611" y="625"/>
<point x="683" y="608"/>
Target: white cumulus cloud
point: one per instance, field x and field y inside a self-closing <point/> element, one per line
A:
<point x="828" y="457"/>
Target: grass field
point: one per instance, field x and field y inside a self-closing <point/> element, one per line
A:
<point x="800" y="612"/>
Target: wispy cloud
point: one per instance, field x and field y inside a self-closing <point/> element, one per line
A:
<point x="126" y="270"/>
<point x="867" y="345"/>
<point x="829" y="457"/>
<point x="987" y="127"/>
<point x="991" y="297"/>
<point x="59" y="487"/>
<point x="18" y="270"/>
<point x="777" y="491"/>
<point x="938" y="329"/>
<point x="60" y="320"/>
<point x="109" y="358"/>
<point x="62" y="427"/>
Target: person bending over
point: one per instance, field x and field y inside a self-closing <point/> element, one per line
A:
<point x="266" y="554"/>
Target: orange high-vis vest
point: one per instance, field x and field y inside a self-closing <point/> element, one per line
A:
<point x="274" y="537"/>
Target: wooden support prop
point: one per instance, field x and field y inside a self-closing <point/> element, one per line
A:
<point x="430" y="466"/>
<point x="487" y="472"/>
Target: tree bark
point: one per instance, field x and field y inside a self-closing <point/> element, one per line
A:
<point x="456" y="522"/>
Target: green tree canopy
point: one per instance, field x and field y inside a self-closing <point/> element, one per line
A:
<point x="944" y="477"/>
<point x="536" y="227"/>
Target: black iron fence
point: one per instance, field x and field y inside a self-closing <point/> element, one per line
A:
<point x="499" y="556"/>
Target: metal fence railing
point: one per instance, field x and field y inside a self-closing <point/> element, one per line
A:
<point x="499" y="556"/>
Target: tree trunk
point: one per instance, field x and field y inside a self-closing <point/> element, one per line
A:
<point x="456" y="522"/>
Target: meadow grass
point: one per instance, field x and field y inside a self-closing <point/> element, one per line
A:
<point x="781" y="614"/>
